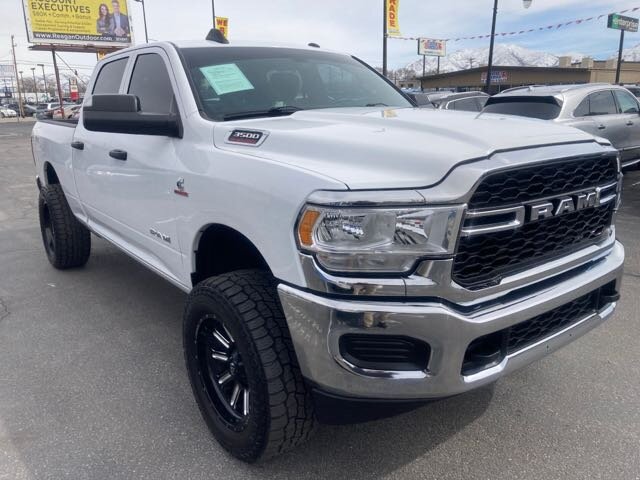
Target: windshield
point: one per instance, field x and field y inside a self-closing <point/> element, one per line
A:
<point x="234" y="82"/>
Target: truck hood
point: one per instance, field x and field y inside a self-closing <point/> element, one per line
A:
<point x="369" y="148"/>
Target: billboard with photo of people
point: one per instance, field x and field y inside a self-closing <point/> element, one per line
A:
<point x="78" y="22"/>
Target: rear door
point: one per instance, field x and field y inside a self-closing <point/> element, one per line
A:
<point x="630" y="111"/>
<point x="607" y="122"/>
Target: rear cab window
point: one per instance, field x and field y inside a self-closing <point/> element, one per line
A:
<point x="110" y="76"/>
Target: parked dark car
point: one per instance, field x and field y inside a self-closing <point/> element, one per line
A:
<point x="604" y="110"/>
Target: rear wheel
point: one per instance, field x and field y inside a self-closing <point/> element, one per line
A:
<point x="242" y="366"/>
<point x="67" y="242"/>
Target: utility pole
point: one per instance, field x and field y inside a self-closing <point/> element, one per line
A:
<point x="620" y="57"/>
<point x="44" y="78"/>
<point x="15" y="69"/>
<point x="384" y="37"/>
<point x="55" y="68"/>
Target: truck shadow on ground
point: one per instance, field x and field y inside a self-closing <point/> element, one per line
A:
<point x="363" y="450"/>
<point x="105" y="372"/>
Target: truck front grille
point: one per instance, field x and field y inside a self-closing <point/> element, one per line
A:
<point x="514" y="187"/>
<point x="484" y="259"/>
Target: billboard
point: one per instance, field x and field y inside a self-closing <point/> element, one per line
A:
<point x="431" y="47"/>
<point x="78" y="22"/>
<point x="620" y="22"/>
<point x="393" y="27"/>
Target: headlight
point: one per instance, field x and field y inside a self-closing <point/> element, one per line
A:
<point x="377" y="240"/>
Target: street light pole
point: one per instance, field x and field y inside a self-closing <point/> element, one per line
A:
<point x="144" y="19"/>
<point x="22" y="86"/>
<point x="35" y="85"/>
<point x="525" y="4"/>
<point x="44" y="79"/>
<point x="491" y="44"/>
<point x="384" y="38"/>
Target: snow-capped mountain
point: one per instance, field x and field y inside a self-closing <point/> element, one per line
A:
<point x="503" y="54"/>
<point x="632" y="54"/>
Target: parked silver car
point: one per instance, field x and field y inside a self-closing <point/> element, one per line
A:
<point x="465" y="101"/>
<point x="604" y="110"/>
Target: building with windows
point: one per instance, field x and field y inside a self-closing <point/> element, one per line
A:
<point x="503" y="77"/>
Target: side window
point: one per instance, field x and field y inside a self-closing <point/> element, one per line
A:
<point x="150" y="82"/>
<point x="110" y="76"/>
<point x="583" y="109"/>
<point x="602" y="103"/>
<point x="626" y="102"/>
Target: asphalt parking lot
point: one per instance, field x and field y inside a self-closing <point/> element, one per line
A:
<point x="93" y="386"/>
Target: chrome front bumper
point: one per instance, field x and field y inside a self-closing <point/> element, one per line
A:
<point x="316" y="324"/>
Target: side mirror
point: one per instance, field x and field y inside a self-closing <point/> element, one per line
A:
<point x="121" y="114"/>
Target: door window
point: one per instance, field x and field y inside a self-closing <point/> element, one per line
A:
<point x="602" y="103"/>
<point x="626" y="102"/>
<point x="583" y="109"/>
<point x="110" y="76"/>
<point x="150" y="82"/>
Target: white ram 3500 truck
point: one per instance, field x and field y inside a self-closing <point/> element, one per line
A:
<point x="339" y="246"/>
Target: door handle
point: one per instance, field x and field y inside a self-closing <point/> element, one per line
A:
<point x="629" y="123"/>
<point x="118" y="154"/>
<point x="601" y="127"/>
<point x="77" y="145"/>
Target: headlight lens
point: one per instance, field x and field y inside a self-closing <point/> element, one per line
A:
<point x="376" y="240"/>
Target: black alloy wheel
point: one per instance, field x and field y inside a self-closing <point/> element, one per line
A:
<point x="222" y="370"/>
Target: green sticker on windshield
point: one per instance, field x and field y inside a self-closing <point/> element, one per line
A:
<point x="227" y="78"/>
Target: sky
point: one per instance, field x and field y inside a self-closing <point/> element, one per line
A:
<point x="354" y="26"/>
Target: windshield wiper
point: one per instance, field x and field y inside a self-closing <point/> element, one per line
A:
<point x="379" y="104"/>
<point x="271" y="112"/>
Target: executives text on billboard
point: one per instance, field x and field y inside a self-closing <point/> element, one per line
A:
<point x="78" y="22"/>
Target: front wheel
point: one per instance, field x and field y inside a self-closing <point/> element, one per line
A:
<point x="243" y="368"/>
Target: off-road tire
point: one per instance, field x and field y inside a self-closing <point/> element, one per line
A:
<point x="281" y="414"/>
<point x="67" y="242"/>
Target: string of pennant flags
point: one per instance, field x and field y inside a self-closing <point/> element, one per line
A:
<point x="555" y="26"/>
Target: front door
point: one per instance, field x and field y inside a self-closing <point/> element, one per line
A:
<point x="129" y="180"/>
<point x="630" y="114"/>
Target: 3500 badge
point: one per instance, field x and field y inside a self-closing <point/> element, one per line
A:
<point x="246" y="137"/>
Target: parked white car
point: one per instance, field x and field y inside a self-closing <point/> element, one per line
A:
<point x="338" y="244"/>
<point x="7" y="112"/>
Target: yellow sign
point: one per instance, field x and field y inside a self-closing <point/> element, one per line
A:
<point x="222" y="24"/>
<point x="393" y="27"/>
<point x="78" y="22"/>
